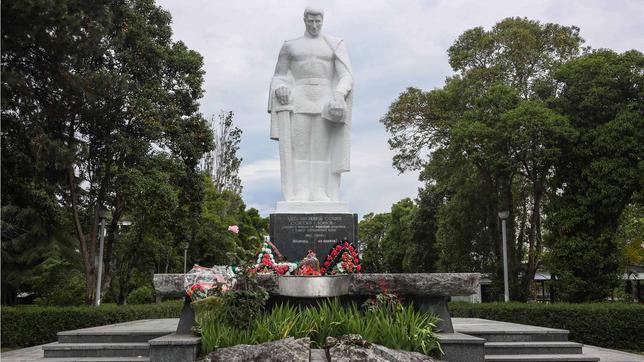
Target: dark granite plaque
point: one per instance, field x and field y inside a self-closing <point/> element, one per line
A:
<point x="295" y="234"/>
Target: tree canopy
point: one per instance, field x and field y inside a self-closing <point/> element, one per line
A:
<point x="527" y="112"/>
<point x="99" y="110"/>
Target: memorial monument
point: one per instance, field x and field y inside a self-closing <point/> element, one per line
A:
<point x="310" y="103"/>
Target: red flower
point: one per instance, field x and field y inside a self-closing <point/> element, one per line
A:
<point x="358" y="267"/>
<point x="338" y="248"/>
<point x="334" y="253"/>
<point x="356" y="260"/>
<point x="346" y="243"/>
<point x="328" y="257"/>
<point x="326" y="264"/>
<point x="322" y="270"/>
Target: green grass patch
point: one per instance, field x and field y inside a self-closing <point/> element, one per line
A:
<point x="609" y="325"/>
<point x="399" y="327"/>
<point x="31" y="325"/>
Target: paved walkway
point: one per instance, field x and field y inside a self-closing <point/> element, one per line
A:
<point x="606" y="355"/>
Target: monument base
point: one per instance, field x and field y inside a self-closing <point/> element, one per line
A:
<point x="295" y="234"/>
<point x="311" y="207"/>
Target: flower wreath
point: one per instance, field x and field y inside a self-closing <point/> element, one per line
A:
<point x="266" y="263"/>
<point x="342" y="259"/>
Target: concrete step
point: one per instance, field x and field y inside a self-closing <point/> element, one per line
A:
<point x="496" y="331"/>
<point x="128" y="332"/>
<point x="104" y="350"/>
<point x="521" y="336"/>
<point x="498" y="348"/>
<point x="108" y="337"/>
<point x="540" y="358"/>
<point x="96" y="359"/>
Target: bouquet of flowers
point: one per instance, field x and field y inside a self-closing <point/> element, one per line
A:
<point x="201" y="282"/>
<point x="266" y="263"/>
<point x="310" y="265"/>
<point x="342" y="259"/>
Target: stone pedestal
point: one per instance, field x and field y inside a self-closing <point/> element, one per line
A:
<point x="296" y="233"/>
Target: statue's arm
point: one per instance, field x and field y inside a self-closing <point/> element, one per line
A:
<point x="345" y="79"/>
<point x="280" y="83"/>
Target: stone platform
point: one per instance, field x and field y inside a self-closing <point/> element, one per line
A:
<point x="427" y="291"/>
<point x="470" y="325"/>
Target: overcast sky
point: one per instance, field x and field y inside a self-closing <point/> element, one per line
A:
<point x="392" y="45"/>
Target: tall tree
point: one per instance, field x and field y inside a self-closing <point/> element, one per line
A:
<point x="103" y="87"/>
<point x="465" y="129"/>
<point x="600" y="173"/>
<point x="222" y="163"/>
<point x="373" y="229"/>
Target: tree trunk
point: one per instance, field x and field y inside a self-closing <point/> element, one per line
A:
<point x="87" y="252"/>
<point x="533" y="237"/>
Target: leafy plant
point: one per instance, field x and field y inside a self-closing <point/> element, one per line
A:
<point x="399" y="327"/>
<point x="140" y="295"/>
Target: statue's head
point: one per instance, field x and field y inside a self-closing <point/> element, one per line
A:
<point x="313" y="18"/>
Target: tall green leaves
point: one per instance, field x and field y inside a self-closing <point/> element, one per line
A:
<point x="400" y="328"/>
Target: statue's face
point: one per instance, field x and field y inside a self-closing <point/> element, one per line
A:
<point x="313" y="24"/>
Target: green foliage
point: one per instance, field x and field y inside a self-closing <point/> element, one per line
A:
<point x="401" y="328"/>
<point x="601" y="171"/>
<point x="67" y="290"/>
<point x="609" y="325"/>
<point x="25" y="326"/>
<point x="528" y="126"/>
<point x="373" y="228"/>
<point x="141" y="295"/>
<point x="630" y="234"/>
<point x="92" y="94"/>
<point x="402" y="240"/>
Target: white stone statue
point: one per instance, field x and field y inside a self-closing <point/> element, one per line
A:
<point x="310" y="101"/>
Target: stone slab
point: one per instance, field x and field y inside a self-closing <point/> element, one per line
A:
<point x="458" y="347"/>
<point x="168" y="286"/>
<point x="421" y="284"/>
<point x="497" y="331"/>
<point x="175" y="348"/>
<point x="295" y="234"/>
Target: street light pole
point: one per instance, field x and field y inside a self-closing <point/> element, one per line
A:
<point x="185" y="257"/>
<point x="102" y="214"/>
<point x="503" y="215"/>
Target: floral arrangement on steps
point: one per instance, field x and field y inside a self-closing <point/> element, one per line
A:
<point x="342" y="259"/>
<point x="266" y="264"/>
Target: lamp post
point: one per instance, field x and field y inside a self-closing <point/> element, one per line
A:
<point x="503" y="215"/>
<point x="102" y="215"/>
<point x="185" y="256"/>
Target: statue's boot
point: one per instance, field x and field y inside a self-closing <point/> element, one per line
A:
<point x="319" y="180"/>
<point x="301" y="179"/>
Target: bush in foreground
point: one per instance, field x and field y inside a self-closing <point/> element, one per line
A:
<point x="609" y="325"/>
<point x="398" y="327"/>
<point x="25" y="326"/>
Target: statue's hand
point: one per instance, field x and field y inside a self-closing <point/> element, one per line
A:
<point x="337" y="107"/>
<point x="283" y="94"/>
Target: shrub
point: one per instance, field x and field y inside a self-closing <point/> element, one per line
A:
<point x="141" y="295"/>
<point x="68" y="291"/>
<point x="29" y="325"/>
<point x="609" y="325"/>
